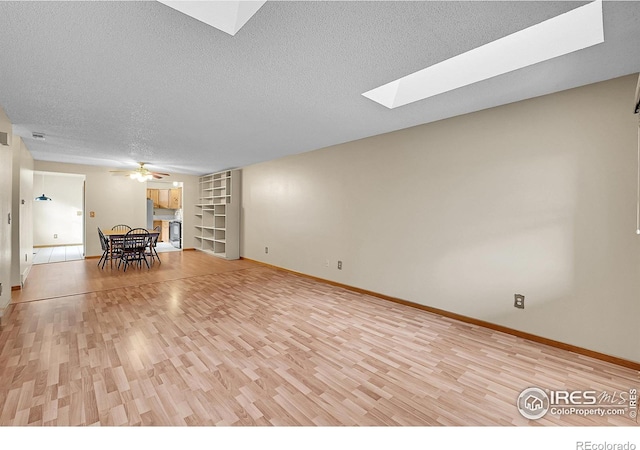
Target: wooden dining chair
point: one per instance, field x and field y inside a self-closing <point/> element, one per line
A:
<point x="121" y="227"/>
<point x="104" y="243"/>
<point x="116" y="243"/>
<point x="111" y="249"/>
<point x="134" y="247"/>
<point x="151" y="250"/>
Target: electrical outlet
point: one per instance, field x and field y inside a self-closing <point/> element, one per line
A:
<point x="326" y="263"/>
<point x="518" y="301"/>
<point x="55" y="236"/>
<point x="339" y="265"/>
<point x="266" y="249"/>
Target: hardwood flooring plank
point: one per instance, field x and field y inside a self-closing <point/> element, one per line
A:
<point x="199" y="341"/>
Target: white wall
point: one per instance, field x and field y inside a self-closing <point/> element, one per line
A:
<point x="537" y="197"/>
<point x="62" y="216"/>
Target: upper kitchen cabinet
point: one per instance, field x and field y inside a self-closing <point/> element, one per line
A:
<point x="163" y="198"/>
<point x="175" y="198"/>
<point x="153" y="194"/>
<point x="166" y="198"/>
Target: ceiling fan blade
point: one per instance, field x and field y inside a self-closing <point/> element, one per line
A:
<point x="156" y="176"/>
<point x="160" y="173"/>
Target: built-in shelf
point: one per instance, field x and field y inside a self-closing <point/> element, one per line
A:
<point x="218" y="214"/>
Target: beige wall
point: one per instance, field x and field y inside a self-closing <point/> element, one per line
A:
<point x="190" y="196"/>
<point x="113" y="199"/>
<point x="537" y="197"/>
<point x="117" y="199"/>
<point x="6" y="175"/>
<point x="22" y="207"/>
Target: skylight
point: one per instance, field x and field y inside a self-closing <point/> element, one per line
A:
<point x="226" y="15"/>
<point x="574" y="30"/>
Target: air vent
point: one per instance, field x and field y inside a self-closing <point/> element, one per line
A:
<point x="4" y="138"/>
<point x="38" y="136"/>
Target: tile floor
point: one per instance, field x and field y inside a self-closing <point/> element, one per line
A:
<point x="44" y="255"/>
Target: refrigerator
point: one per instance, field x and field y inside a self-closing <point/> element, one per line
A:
<point x="149" y="214"/>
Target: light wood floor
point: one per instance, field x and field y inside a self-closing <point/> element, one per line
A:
<point x="200" y="341"/>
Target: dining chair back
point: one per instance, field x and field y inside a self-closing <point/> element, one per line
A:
<point x="117" y="242"/>
<point x="121" y="227"/>
<point x="151" y="250"/>
<point x="134" y="246"/>
<point x="104" y="243"/>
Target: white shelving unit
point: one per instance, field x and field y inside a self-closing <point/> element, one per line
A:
<point x="218" y="214"/>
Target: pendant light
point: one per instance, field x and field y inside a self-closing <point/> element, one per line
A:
<point x="43" y="198"/>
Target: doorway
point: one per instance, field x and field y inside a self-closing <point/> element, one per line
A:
<point x="164" y="212"/>
<point x="58" y="217"/>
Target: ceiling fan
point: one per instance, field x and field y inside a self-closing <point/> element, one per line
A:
<point x="141" y="173"/>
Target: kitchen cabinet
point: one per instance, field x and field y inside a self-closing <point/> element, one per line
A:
<point x="164" y="229"/>
<point x="175" y="198"/>
<point x="166" y="198"/>
<point x="153" y="195"/>
<point x="163" y="198"/>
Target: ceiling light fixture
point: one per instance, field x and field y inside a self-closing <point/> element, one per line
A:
<point x="141" y="177"/>
<point x="574" y="30"/>
<point x="226" y="15"/>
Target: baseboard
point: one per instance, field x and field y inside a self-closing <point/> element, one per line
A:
<point x="25" y="274"/>
<point x="190" y="249"/>
<point x="470" y="320"/>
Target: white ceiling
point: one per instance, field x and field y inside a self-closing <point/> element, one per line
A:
<point x="111" y="83"/>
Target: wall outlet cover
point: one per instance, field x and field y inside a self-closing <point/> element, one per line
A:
<point x="518" y="301"/>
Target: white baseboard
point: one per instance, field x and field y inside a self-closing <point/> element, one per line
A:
<point x="24" y="275"/>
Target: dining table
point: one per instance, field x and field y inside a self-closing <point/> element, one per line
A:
<point x="114" y="235"/>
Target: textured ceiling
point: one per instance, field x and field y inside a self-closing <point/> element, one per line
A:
<point x="111" y="83"/>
